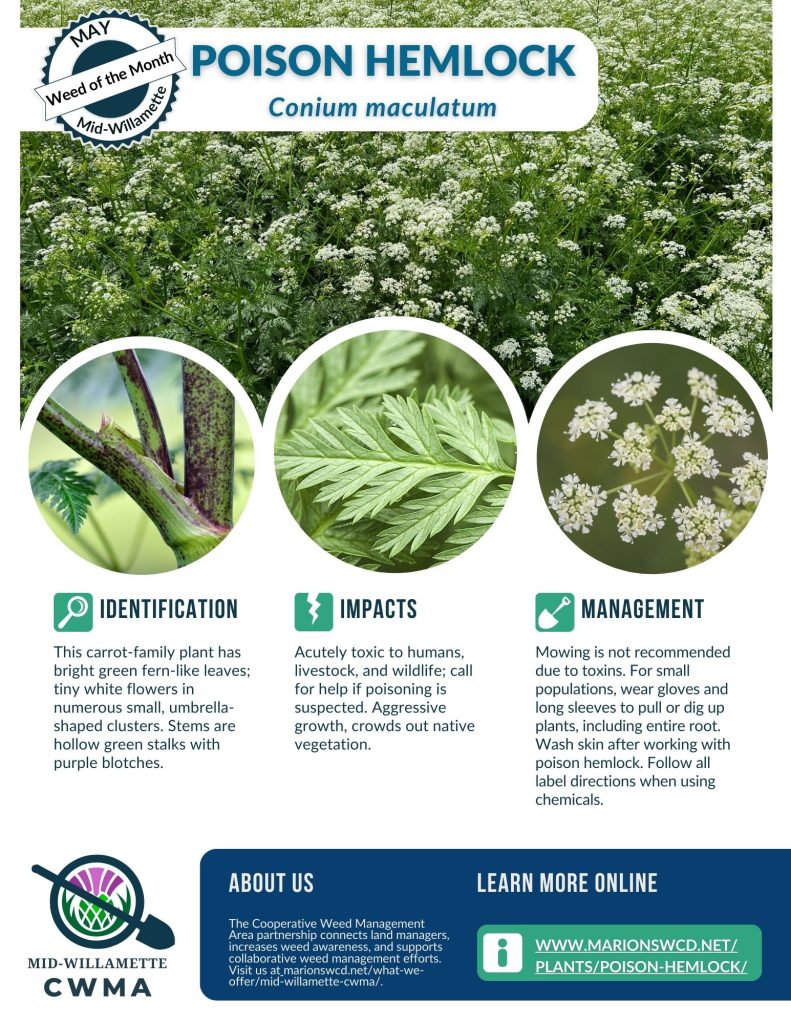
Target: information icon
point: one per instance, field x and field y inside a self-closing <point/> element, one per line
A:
<point x="502" y="953"/>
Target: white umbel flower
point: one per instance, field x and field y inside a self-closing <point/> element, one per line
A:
<point x="674" y="416"/>
<point x="576" y="504"/>
<point x="592" y="418"/>
<point x="636" y="514"/>
<point x="508" y="349"/>
<point x="701" y="385"/>
<point x="542" y="355"/>
<point x="700" y="526"/>
<point x="750" y="480"/>
<point x="530" y="379"/>
<point x="637" y="387"/>
<point x="633" y="449"/>
<point x="693" y="458"/>
<point x="728" y="416"/>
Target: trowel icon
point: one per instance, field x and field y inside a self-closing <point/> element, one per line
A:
<point x="547" y="619"/>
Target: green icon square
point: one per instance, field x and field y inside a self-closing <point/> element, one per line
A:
<point x="73" y="613"/>
<point x="554" y="613"/>
<point x="313" y="612"/>
<point x="502" y="953"/>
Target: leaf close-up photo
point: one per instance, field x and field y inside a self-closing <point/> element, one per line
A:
<point x="395" y="451"/>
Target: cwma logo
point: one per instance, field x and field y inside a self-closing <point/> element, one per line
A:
<point x="97" y="902"/>
<point x="95" y="987"/>
<point x="68" y="976"/>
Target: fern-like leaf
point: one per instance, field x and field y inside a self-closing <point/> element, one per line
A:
<point x="460" y="426"/>
<point x="442" y="501"/>
<point x="436" y="398"/>
<point x="355" y="543"/>
<point x="447" y="457"/>
<point x="361" y="369"/>
<point x="351" y="542"/>
<point x="476" y="523"/>
<point x="65" y="490"/>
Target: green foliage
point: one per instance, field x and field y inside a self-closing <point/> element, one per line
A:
<point x="476" y="524"/>
<point x="413" y="474"/>
<point x="251" y="246"/>
<point x="66" y="491"/>
<point x="362" y="369"/>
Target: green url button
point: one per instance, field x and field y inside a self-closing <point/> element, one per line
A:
<point x="619" y="952"/>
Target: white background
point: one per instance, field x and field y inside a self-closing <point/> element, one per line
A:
<point x="261" y="792"/>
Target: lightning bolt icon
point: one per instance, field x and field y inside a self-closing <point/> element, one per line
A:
<point x="313" y="606"/>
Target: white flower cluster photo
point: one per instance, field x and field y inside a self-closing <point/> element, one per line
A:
<point x="672" y="447"/>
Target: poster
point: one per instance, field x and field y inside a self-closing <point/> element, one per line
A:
<point x="395" y="509"/>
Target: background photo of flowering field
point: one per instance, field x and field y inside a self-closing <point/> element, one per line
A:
<point x="252" y="246"/>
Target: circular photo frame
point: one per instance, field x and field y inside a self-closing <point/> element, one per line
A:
<point x="652" y="457"/>
<point x="141" y="459"/>
<point x="395" y="450"/>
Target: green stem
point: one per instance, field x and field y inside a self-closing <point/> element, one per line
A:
<point x="640" y="480"/>
<point x="209" y="412"/>
<point x="662" y="437"/>
<point x="687" y="492"/>
<point x="76" y="435"/>
<point x="660" y="485"/>
<point x="186" y="531"/>
<point x="149" y="423"/>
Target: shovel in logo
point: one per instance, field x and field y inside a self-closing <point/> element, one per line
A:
<point x="547" y="620"/>
<point x="150" y="930"/>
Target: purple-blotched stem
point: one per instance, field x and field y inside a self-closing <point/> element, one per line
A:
<point x="149" y="422"/>
<point x="209" y="412"/>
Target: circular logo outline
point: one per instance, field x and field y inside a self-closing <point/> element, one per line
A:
<point x="115" y="142"/>
<point x="126" y="928"/>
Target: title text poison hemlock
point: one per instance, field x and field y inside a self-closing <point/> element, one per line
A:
<point x="409" y="60"/>
<point x="168" y="608"/>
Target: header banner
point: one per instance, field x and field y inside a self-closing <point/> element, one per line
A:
<point x="338" y="79"/>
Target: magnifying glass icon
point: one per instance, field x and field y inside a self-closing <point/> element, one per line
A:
<point x="76" y="608"/>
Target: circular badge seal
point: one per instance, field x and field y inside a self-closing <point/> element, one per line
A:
<point x="110" y="78"/>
